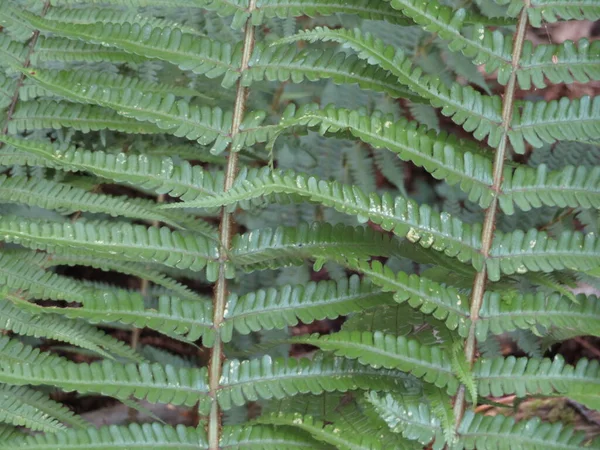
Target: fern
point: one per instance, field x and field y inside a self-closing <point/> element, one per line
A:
<point x="311" y="164"/>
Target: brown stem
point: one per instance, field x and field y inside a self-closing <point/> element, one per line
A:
<point x="225" y="235"/>
<point x="489" y="222"/>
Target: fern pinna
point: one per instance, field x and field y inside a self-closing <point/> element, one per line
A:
<point x="211" y="149"/>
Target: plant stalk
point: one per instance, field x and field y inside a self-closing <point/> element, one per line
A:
<point x="225" y="235"/>
<point x="489" y="223"/>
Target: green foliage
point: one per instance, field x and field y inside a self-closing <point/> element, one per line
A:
<point x="155" y="153"/>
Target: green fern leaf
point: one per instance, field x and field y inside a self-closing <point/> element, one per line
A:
<point x="267" y="378"/>
<point x="529" y="188"/>
<point x="441" y="408"/>
<point x="365" y="9"/>
<point x="287" y="63"/>
<point x="68" y="199"/>
<point x="137" y="270"/>
<point x="444" y="303"/>
<point x="487" y="47"/>
<point x="21" y="271"/>
<point x="288" y="305"/>
<point x="265" y="437"/>
<point x="440" y="154"/>
<point x="487" y="433"/>
<point x="64" y="50"/>
<point x="189" y="319"/>
<point x="146" y="436"/>
<point x="465" y="106"/>
<point x="200" y="55"/>
<point x="14" y="351"/>
<point x="12" y="52"/>
<point x="41" y="114"/>
<point x="114" y="81"/>
<point x="151" y="382"/>
<point x="412" y="419"/>
<point x="162" y="175"/>
<point x="415" y="421"/>
<point x="568" y="62"/>
<point x="92" y="15"/>
<point x="73" y="332"/>
<point x="8" y="87"/>
<point x="121" y="241"/>
<point x="285" y="246"/>
<point x="331" y="434"/>
<point x="564" y="119"/>
<point x="202" y="124"/>
<point x="404" y="217"/>
<point x="224" y="8"/>
<point x="23" y="406"/>
<point x="550" y="10"/>
<point x="524" y="376"/>
<point x="530" y="311"/>
<point x="393" y="352"/>
<point x="533" y="251"/>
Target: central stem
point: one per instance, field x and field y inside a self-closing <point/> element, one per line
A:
<point x="489" y="223"/>
<point x="225" y="235"/>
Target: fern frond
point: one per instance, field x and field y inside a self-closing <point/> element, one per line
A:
<point x="8" y="87"/>
<point x="444" y="303"/>
<point x="152" y="382"/>
<point x="236" y="8"/>
<point x="23" y="406"/>
<point x="416" y="421"/>
<point x="286" y="306"/>
<point x="64" y="50"/>
<point x="551" y="10"/>
<point x="19" y="413"/>
<point x="266" y="437"/>
<point x="159" y="174"/>
<point x="287" y="63"/>
<point x="92" y="15"/>
<point x="564" y="119"/>
<point x="137" y="270"/>
<point x="487" y="47"/>
<point x="411" y="419"/>
<point x="331" y="433"/>
<point x="114" y="81"/>
<point x="393" y="352"/>
<point x="487" y="433"/>
<point x="41" y="114"/>
<point x="365" y="9"/>
<point x="440" y="154"/>
<point x="121" y="241"/>
<point x="529" y="188"/>
<point x="197" y="54"/>
<point x="113" y="437"/>
<point x="533" y="251"/>
<point x="466" y="107"/>
<point x="14" y="351"/>
<point x="202" y="124"/>
<point x="524" y="376"/>
<point x="404" y="217"/>
<point x="190" y="319"/>
<point x="12" y="52"/>
<point x="499" y="315"/>
<point x="284" y="246"/>
<point x="268" y="378"/>
<point x="564" y="63"/>
<point x="67" y="199"/>
<point x="21" y="271"/>
<point x="73" y="332"/>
